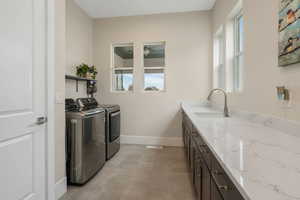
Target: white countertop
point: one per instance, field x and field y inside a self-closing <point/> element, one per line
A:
<point x="264" y="163"/>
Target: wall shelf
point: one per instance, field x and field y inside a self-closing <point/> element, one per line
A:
<point x="76" y="78"/>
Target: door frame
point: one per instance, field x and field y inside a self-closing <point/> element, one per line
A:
<point x="50" y="98"/>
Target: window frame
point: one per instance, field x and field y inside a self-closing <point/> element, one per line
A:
<point x="238" y="54"/>
<point x="164" y="68"/>
<point x="219" y="59"/>
<point x="113" y="68"/>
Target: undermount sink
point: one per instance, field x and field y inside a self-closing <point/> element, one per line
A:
<point x="209" y="115"/>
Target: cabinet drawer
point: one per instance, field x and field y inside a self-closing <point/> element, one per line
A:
<point x="188" y="123"/>
<point x="203" y="149"/>
<point x="207" y="155"/>
<point x="223" y="183"/>
<point x="199" y="140"/>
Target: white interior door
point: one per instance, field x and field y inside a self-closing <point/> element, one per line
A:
<point x="22" y="99"/>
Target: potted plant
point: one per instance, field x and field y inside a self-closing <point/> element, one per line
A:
<point x="86" y="71"/>
<point x="82" y="70"/>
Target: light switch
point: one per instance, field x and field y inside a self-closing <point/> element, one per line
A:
<point x="283" y="93"/>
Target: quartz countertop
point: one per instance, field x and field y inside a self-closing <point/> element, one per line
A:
<point x="263" y="162"/>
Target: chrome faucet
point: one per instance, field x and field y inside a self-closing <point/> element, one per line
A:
<point x="226" y="112"/>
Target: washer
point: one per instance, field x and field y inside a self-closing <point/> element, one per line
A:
<point x="86" y="148"/>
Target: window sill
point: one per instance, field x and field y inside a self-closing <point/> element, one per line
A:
<point x="121" y="92"/>
<point x="154" y="92"/>
<point x="235" y="92"/>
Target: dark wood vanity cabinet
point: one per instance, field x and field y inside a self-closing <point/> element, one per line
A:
<point x="209" y="179"/>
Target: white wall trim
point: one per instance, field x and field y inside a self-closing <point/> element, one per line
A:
<point x="50" y="48"/>
<point x="60" y="188"/>
<point x="148" y="140"/>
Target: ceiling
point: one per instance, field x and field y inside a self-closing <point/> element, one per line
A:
<point x="117" y="8"/>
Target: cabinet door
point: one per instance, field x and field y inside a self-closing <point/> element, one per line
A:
<point x="192" y="158"/>
<point x="188" y="146"/>
<point x="198" y="175"/>
<point x="215" y="194"/>
<point x="184" y="128"/>
<point x="183" y="132"/>
<point x="206" y="153"/>
<point x="205" y="183"/>
<point x="184" y="136"/>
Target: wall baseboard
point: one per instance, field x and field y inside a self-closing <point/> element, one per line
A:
<point x="60" y="188"/>
<point x="148" y="140"/>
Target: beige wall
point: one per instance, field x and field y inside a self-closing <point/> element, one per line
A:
<point x="79" y="45"/>
<point x="188" y="61"/>
<point x="60" y="63"/>
<point x="74" y="31"/>
<point x="261" y="71"/>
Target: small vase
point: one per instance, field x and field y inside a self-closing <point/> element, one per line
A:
<point x="89" y="75"/>
<point x="82" y="75"/>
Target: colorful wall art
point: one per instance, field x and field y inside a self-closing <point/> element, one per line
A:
<point x="289" y="32"/>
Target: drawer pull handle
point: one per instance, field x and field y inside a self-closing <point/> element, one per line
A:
<point x="223" y="187"/>
<point x="216" y="172"/>
<point x="204" y="151"/>
<point x="219" y="186"/>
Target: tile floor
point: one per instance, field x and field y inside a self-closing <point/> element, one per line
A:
<point x="138" y="173"/>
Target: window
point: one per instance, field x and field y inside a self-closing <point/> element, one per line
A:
<point x="238" y="52"/>
<point x="122" y="67"/>
<point x="154" y="66"/>
<point x="219" y="65"/>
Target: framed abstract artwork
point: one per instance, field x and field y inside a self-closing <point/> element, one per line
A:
<point x="289" y="32"/>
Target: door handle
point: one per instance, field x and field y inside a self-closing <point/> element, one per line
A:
<point x="115" y="114"/>
<point x="41" y="120"/>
